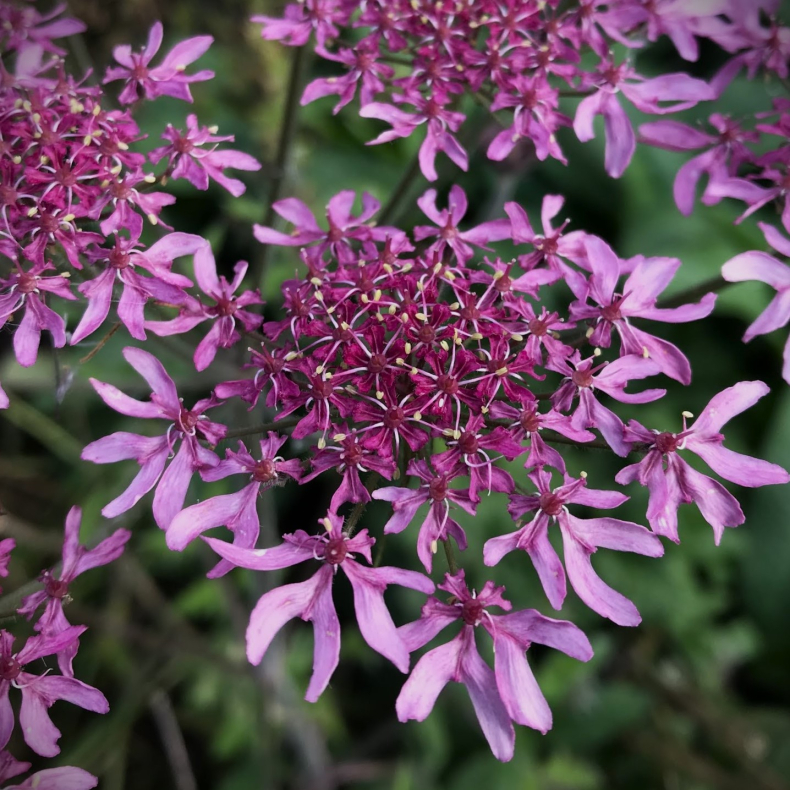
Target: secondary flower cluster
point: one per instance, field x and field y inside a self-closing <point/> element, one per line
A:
<point x="413" y="61"/>
<point x="67" y="170"/>
<point x="53" y="636"/>
<point x="403" y="357"/>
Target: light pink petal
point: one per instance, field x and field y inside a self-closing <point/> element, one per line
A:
<point x="674" y="136"/>
<point x="193" y="521"/>
<point x="99" y="294"/>
<point x="757" y="265"/>
<point x="620" y="137"/>
<point x="491" y="711"/>
<point x="66" y="778"/>
<point x="588" y="108"/>
<point x="612" y="533"/>
<point x="737" y="468"/>
<point x="517" y="687"/>
<point x="206" y="271"/>
<point x="125" y="404"/>
<point x="152" y="370"/>
<point x="172" y="489"/>
<point x="591" y="589"/>
<point x="727" y="404"/>
<point x="426" y="681"/>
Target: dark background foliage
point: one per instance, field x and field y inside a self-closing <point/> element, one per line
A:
<point x="696" y="698"/>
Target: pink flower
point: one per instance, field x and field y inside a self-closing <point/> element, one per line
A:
<point x="756" y="265"/>
<point x="186" y="159"/>
<point x="152" y="453"/>
<point x="7" y="545"/>
<point x="76" y="560"/>
<point x="510" y="692"/>
<point x="678" y="482"/>
<point x="312" y="599"/>
<point x="167" y="79"/>
<point x="226" y="312"/>
<point x="238" y="512"/>
<point x="40" y="692"/>
<point x="581" y="538"/>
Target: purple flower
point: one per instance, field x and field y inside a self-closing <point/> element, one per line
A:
<point x="636" y="299"/>
<point x="226" y="311"/>
<point x="510" y="692"/>
<point x="186" y="159"/>
<point x="76" y="560"/>
<point x="238" y="512"/>
<point x="27" y="288"/>
<point x="447" y="232"/>
<point x="645" y="95"/>
<point x="152" y="453"/>
<point x="678" y="482"/>
<point x="756" y="265"/>
<point x="4" y="402"/>
<point x="610" y="377"/>
<point x="167" y="79"/>
<point x="435" y="489"/>
<point x="581" y="538"/>
<point x="40" y="692"/>
<point x="442" y="124"/>
<point x="121" y="265"/>
<point x="312" y="599"/>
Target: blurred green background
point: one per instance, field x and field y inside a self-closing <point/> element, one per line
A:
<point x="696" y="698"/>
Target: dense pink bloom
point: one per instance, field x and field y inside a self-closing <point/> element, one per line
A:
<point x="510" y="692"/>
<point x="677" y="482"/>
<point x="7" y="545"/>
<point x="581" y="538"/>
<point x="76" y="560"/>
<point x="312" y="599"/>
<point x="168" y="78"/>
<point x="152" y="453"/>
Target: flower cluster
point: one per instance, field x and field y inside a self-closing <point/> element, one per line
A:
<point x="427" y="366"/>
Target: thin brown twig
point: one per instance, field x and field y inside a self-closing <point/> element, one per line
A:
<point x="100" y="345"/>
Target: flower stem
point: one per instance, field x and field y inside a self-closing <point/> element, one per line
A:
<point x="452" y="565"/>
<point x="286" y="139"/>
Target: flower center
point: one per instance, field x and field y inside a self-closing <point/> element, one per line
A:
<point x="438" y="489"/>
<point x="9" y="668"/>
<point x="264" y="471"/>
<point x="551" y="504"/>
<point x="468" y="443"/>
<point x="472" y="611"/>
<point x="55" y="588"/>
<point x="666" y="443"/>
<point x="336" y="550"/>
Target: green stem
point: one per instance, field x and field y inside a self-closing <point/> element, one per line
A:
<point x="279" y="425"/>
<point x="391" y="210"/>
<point x="452" y="565"/>
<point x="285" y="142"/>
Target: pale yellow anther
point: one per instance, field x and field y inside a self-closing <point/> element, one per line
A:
<point x="420" y="285"/>
<point x="68" y="218"/>
<point x="501" y="371"/>
<point x="407" y="348"/>
<point x="687" y="414"/>
<point x="43" y="159"/>
<point x="379" y="317"/>
<point x="115" y="169"/>
<point x="444" y="345"/>
<point x="437" y="268"/>
<point x="364" y="299"/>
<point x="319" y="370"/>
<point x="417" y="415"/>
<point x="455" y="305"/>
<point x="332" y="80"/>
<point x="76" y="106"/>
<point x="87" y="140"/>
<point x="400" y="361"/>
<point x="476" y="336"/>
<point x="17" y="160"/>
<point x="98" y="133"/>
<point x="316" y="281"/>
<point x="414" y="372"/>
<point x="434" y="546"/>
<point x="421" y="316"/>
<point x="387" y="268"/>
<point x="31" y="212"/>
<point x="589" y="332"/>
<point x="407" y="267"/>
<point x="392" y="309"/>
<point x="379" y="395"/>
<point x="405" y="318"/>
<point x="344" y="326"/>
<point x="96" y="109"/>
<point x="484" y="409"/>
<point x="319" y="296"/>
<point x="327" y="523"/>
<point x="448" y="432"/>
<point x="583" y="475"/>
<point x="517" y="338"/>
<point x="328" y="376"/>
<point x="339" y="437"/>
<point x="458" y="341"/>
<point x="499" y="274"/>
<point x="122" y="146"/>
<point x="153" y="219"/>
<point x="213" y="129"/>
<point x="450" y="276"/>
<point x="181" y="67"/>
<point x="150" y="179"/>
<point x="377" y="295"/>
<point x="597" y="352"/>
<point x="396" y="474"/>
<point x="321" y="443"/>
<point x="330" y="310"/>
